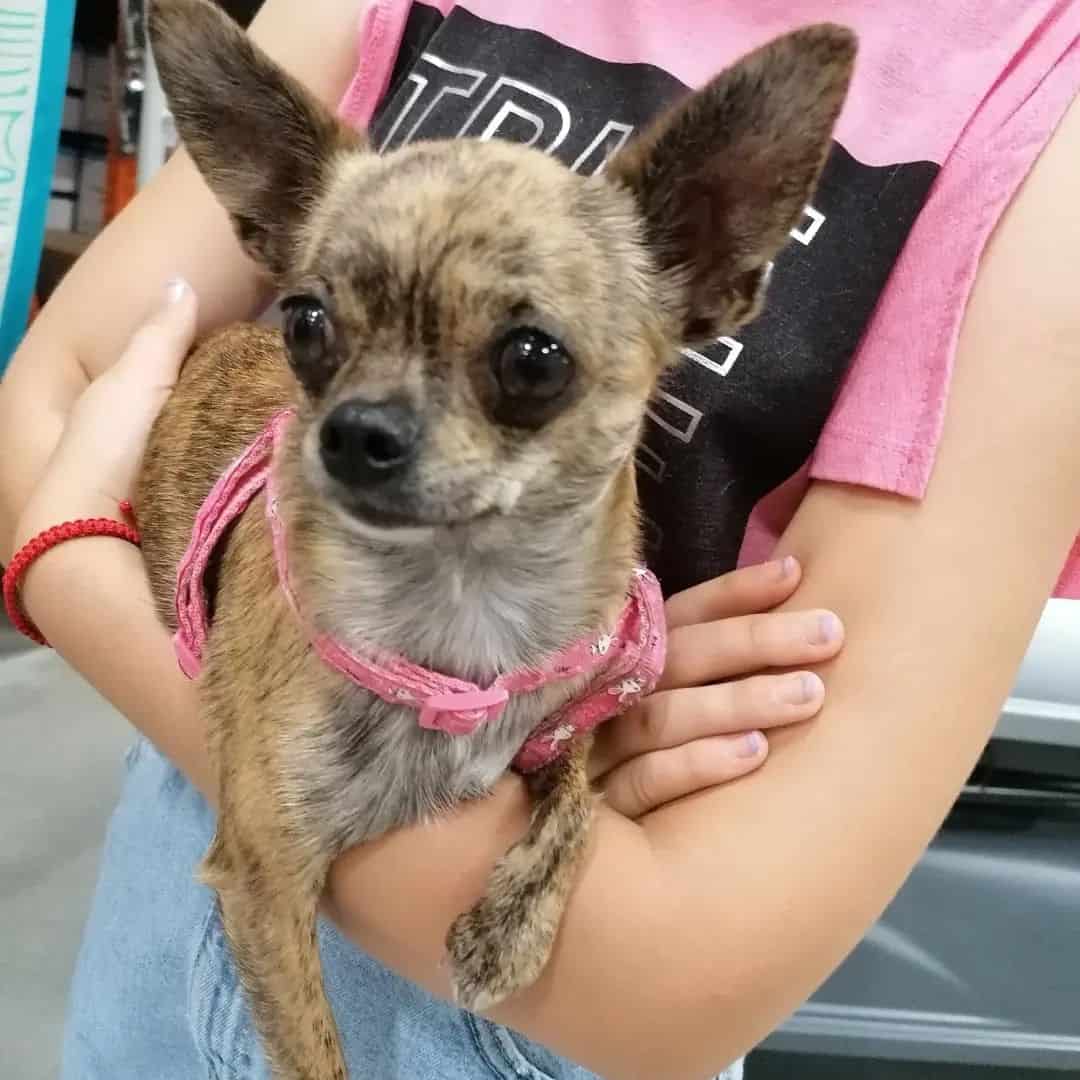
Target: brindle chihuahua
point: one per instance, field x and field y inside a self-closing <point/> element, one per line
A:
<point x="472" y="334"/>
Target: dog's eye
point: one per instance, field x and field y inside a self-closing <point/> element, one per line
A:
<point x="531" y="366"/>
<point x="307" y="329"/>
<point x="309" y="338"/>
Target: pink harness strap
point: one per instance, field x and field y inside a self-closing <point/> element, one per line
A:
<point x="624" y="664"/>
<point x="228" y="499"/>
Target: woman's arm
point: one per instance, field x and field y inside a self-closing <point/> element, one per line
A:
<point x="173" y="227"/>
<point x="701" y="928"/>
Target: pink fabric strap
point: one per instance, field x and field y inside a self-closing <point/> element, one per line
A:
<point x="228" y="499"/>
<point x="635" y="661"/>
<point x="623" y="664"/>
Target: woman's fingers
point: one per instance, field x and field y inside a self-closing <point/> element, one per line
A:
<point x="705" y="653"/>
<point x="741" y="592"/>
<point x="108" y="426"/>
<point x="157" y="350"/>
<point x="651" y="780"/>
<point x="697" y="731"/>
<point x="673" y="718"/>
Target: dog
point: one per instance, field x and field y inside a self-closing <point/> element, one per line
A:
<point x="397" y="540"/>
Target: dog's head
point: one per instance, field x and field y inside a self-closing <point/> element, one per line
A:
<point x="477" y="329"/>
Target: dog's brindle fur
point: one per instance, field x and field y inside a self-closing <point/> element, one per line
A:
<point x="523" y="538"/>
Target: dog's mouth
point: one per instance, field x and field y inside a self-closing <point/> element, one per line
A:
<point x="404" y="505"/>
<point x="403" y="519"/>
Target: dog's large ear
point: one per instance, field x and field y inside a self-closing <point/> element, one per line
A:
<point x="723" y="176"/>
<point x="262" y="142"/>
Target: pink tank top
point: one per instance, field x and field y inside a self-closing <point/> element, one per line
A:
<point x="846" y="375"/>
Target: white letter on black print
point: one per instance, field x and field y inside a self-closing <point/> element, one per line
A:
<point x="429" y="89"/>
<point x="547" y="115"/>
<point x="611" y="139"/>
<point x="717" y="367"/>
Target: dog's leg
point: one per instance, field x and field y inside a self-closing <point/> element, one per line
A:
<point x="503" y="943"/>
<point x="270" y="924"/>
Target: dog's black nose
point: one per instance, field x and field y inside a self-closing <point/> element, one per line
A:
<point x="365" y="442"/>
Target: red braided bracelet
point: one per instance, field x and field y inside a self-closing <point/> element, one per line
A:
<point x="37" y="547"/>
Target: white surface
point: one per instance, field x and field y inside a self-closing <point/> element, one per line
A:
<point x="60" y="771"/>
<point x="157" y="135"/>
<point x="1045" y="702"/>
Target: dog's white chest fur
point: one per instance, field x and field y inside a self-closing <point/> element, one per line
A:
<point x="472" y="613"/>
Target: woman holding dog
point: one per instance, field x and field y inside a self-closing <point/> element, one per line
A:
<point x="906" y="463"/>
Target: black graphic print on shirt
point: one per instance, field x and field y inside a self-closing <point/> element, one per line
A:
<point x="738" y="418"/>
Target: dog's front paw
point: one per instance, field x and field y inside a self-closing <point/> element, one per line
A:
<point x="496" y="949"/>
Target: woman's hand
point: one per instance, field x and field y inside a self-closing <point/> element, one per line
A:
<point x="94" y="466"/>
<point x="686" y="736"/>
<point x="705" y="723"/>
<point x="91" y="598"/>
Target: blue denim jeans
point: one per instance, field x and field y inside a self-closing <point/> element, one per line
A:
<point x="155" y="995"/>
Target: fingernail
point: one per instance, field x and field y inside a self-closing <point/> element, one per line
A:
<point x="825" y="629"/>
<point x="175" y="290"/>
<point x="802" y="689"/>
<point x="788" y="565"/>
<point x="750" y="745"/>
